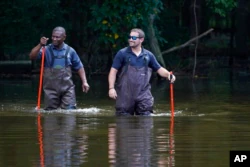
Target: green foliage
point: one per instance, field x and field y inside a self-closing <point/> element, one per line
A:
<point x="97" y="28"/>
<point x="169" y="25"/>
<point x="24" y="21"/>
<point x="219" y="11"/>
<point x="113" y="20"/>
<point x="221" y="7"/>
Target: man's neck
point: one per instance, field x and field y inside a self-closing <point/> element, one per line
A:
<point x="136" y="50"/>
<point x="59" y="46"/>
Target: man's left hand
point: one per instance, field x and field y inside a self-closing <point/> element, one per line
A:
<point x="171" y="78"/>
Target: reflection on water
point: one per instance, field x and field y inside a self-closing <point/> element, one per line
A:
<point x="171" y="143"/>
<point x="211" y="118"/>
<point x="40" y="139"/>
<point x="60" y="147"/>
<point x="77" y="140"/>
<point x="130" y="141"/>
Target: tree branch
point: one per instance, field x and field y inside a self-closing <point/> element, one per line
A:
<point x="187" y="43"/>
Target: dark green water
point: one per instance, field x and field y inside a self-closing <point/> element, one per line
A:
<point x="211" y="118"/>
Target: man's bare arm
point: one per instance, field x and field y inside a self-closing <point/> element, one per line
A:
<point x="112" y="77"/>
<point x="111" y="80"/>
<point x="85" y="85"/>
<point x="34" y="52"/>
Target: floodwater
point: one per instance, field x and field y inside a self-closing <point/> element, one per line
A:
<point x="211" y="118"/>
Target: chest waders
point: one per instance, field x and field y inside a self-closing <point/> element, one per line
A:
<point x="134" y="90"/>
<point x="59" y="89"/>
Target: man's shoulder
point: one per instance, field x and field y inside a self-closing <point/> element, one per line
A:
<point x="123" y="52"/>
<point x="69" y="49"/>
<point x="48" y="46"/>
<point x="145" y="51"/>
<point x="66" y="46"/>
<point x="125" y="49"/>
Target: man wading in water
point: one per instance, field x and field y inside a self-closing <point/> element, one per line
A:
<point x="60" y="59"/>
<point x="134" y="66"/>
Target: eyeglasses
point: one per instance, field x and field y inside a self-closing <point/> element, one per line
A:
<point x="133" y="37"/>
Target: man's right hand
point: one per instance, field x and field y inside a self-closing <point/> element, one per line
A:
<point x="43" y="41"/>
<point x="112" y="93"/>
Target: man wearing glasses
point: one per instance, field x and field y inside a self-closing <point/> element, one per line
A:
<point x="133" y="66"/>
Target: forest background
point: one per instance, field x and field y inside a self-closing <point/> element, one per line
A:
<point x="97" y="29"/>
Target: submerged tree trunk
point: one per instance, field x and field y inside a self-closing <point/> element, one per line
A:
<point x="153" y="42"/>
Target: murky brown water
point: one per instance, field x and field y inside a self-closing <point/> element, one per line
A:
<point x="211" y="118"/>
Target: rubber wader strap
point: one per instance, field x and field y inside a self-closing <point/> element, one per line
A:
<point x="146" y="62"/>
<point x="66" y="53"/>
<point x="53" y="56"/>
<point x="128" y="59"/>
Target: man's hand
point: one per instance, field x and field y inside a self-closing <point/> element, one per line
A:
<point x="112" y="93"/>
<point x="43" y="41"/>
<point x="85" y="87"/>
<point x="171" y="78"/>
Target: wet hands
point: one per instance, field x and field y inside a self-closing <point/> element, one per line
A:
<point x="85" y="87"/>
<point x="43" y="41"/>
<point x="112" y="93"/>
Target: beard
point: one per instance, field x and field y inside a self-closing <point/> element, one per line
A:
<point x="133" y="44"/>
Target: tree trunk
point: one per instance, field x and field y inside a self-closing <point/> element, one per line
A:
<point x="153" y="42"/>
<point x="195" y="28"/>
<point x="241" y="34"/>
<point x="232" y="39"/>
<point x="195" y="11"/>
<point x="2" y="56"/>
<point x="241" y="26"/>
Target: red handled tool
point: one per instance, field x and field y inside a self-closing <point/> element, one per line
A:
<point x="41" y="80"/>
<point x="171" y="94"/>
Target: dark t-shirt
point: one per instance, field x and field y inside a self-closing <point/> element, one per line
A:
<point x="72" y="57"/>
<point x="136" y="61"/>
